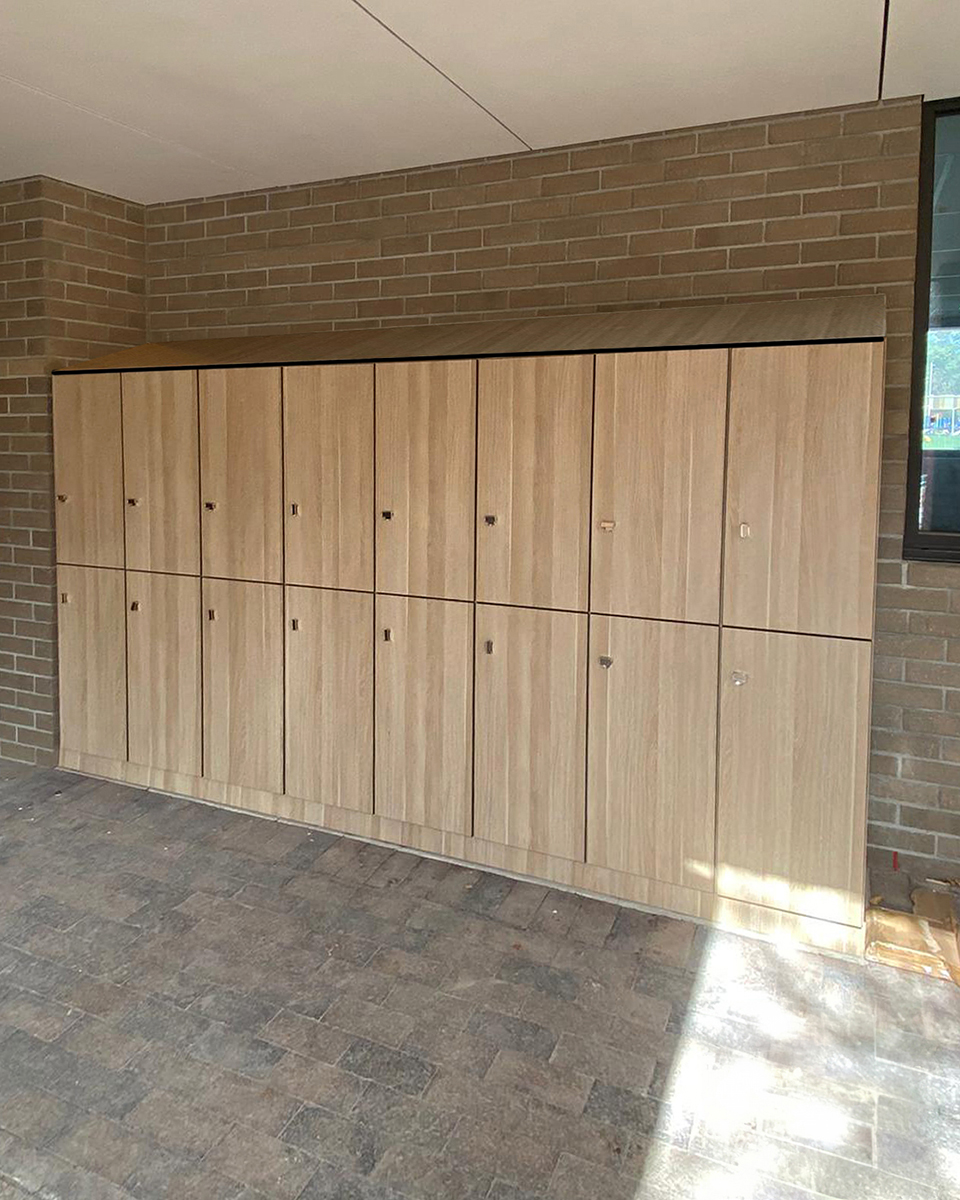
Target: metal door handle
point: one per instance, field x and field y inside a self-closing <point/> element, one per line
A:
<point x="294" y="510"/>
<point x="64" y="598"/>
<point x="211" y="614"/>
<point x="294" y="624"/>
<point x="739" y="678"/>
<point x="488" y="646"/>
<point x="135" y="606"/>
<point x="388" y="635"/>
<point x="744" y="529"/>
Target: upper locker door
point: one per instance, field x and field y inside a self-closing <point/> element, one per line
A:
<point x="240" y="473"/>
<point x="802" y="478"/>
<point x="658" y="484"/>
<point x="426" y="454"/>
<point x="328" y="475"/>
<point x="533" y="480"/>
<point x="88" y="464"/>
<point x="161" y="470"/>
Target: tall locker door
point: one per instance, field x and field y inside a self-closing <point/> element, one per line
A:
<point x="88" y="465"/>
<point x="651" y="779"/>
<point x="533" y="480"/>
<point x="161" y="468"/>
<point x="424" y="712"/>
<point x="163" y="660"/>
<point x="240" y="473"/>
<point x="328" y="475"/>
<point x="802" y="472"/>
<point x="659" y="430"/>
<point x="426" y="455"/>
<point x="329" y="686"/>
<point x="794" y="731"/>
<point x="531" y="729"/>
<point x="93" y="661"/>
<point x="243" y="683"/>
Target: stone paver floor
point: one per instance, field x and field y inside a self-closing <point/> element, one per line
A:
<point x="201" y="1005"/>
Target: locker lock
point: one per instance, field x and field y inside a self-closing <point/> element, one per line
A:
<point x="744" y="529"/>
<point x="739" y="678"/>
<point x="294" y="510"/>
<point x="606" y="661"/>
<point x="387" y="514"/>
<point x="64" y="598"/>
<point x="388" y="635"/>
<point x="488" y="645"/>
<point x="211" y="614"/>
<point x="490" y="519"/>
<point x="608" y="526"/>
<point x="133" y="502"/>
<point x="61" y="497"/>
<point x="135" y="606"/>
<point x="210" y="505"/>
<point x="294" y="623"/>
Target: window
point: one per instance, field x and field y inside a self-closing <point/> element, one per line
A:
<point x="932" y="528"/>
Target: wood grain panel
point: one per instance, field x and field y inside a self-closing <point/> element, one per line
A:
<point x="759" y="323"/>
<point x="240" y="474"/>
<point x="651" y="779"/>
<point x="426" y="453"/>
<point x="793" y="761"/>
<point x="659" y="428"/>
<point x="424" y="711"/>
<point x="533" y="480"/>
<point x="88" y="466"/>
<point x="93" y="668"/>
<point x="243" y="683"/>
<point x="161" y="466"/>
<point x="328" y="476"/>
<point x="802" y="480"/>
<point x="531" y="729"/>
<point x="163" y="662"/>
<point x="329" y="688"/>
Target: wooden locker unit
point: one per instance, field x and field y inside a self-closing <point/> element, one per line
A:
<point x="88" y="466"/>
<point x="659" y="428"/>
<point x="243" y="683"/>
<point x="794" y="734"/>
<point x="93" y="666"/>
<point x="161" y="470"/>
<point x="240" y="473"/>
<point x="533" y="480"/>
<point x="163" y="670"/>
<point x="531" y="729"/>
<point x="425" y="496"/>
<point x="802" y="479"/>
<point x="329" y="697"/>
<point x="328" y="475"/>
<point x="651" y="778"/>
<point x="424" y="711"/>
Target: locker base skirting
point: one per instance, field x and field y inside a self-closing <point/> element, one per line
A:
<point x="603" y="883"/>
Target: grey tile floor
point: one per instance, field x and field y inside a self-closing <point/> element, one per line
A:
<point x="200" y="1005"/>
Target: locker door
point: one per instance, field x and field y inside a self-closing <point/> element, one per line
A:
<point x="426" y="453"/>
<point x="531" y="729"/>
<point x="163" y="655"/>
<point x="240" y="473"/>
<point x="424" y="711"/>
<point x="659" y="431"/>
<point x="328" y="475"/>
<point x="161" y="470"/>
<point x="794" y="731"/>
<point x="802" y="470"/>
<point x="329" y="681"/>
<point x="93" y="663"/>
<point x="651" y="781"/>
<point x="243" y="683"/>
<point x="533" y="480"/>
<point x="88" y="464"/>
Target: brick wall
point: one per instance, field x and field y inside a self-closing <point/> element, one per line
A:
<point x="71" y="285"/>
<point x="802" y="205"/>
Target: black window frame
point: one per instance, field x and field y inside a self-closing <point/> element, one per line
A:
<point x="919" y="544"/>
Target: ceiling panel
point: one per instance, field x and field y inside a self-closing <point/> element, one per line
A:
<point x="923" y="49"/>
<point x="262" y="93"/>
<point x="560" y="71"/>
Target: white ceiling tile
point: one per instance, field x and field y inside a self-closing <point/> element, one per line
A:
<point x="923" y="49"/>
<point x="561" y="71"/>
<point x="272" y="93"/>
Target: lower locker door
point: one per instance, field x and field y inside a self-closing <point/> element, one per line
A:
<point x="531" y="729"/>
<point x="794" y="732"/>
<point x="243" y="683"/>
<point x="163" y="662"/>
<point x="424" y="736"/>
<point x="93" y="667"/>
<point x="329" y="682"/>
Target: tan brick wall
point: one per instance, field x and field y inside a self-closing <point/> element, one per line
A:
<point x="71" y="285"/>
<point x="801" y="205"/>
